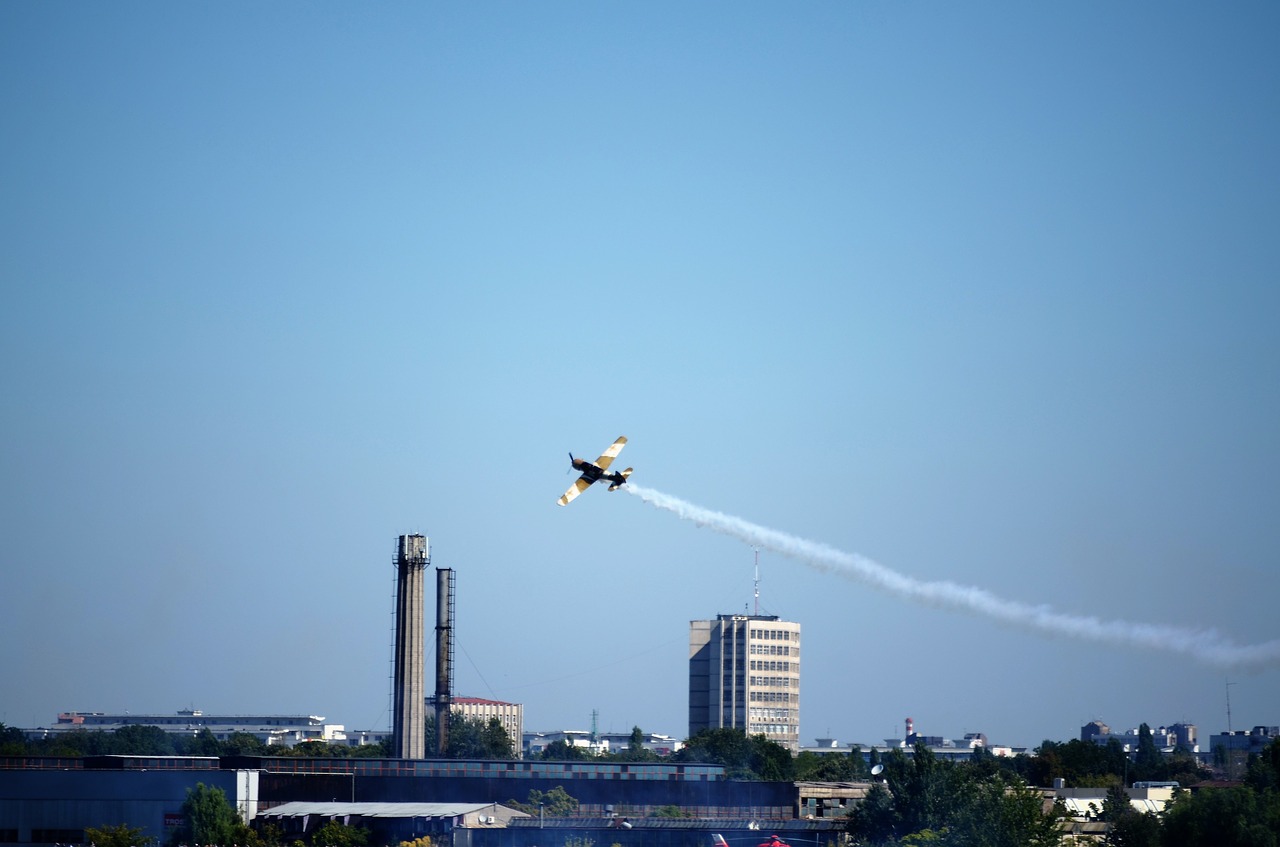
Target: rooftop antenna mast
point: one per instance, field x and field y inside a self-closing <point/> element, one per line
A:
<point x="1229" y="684"/>
<point x="757" y="581"/>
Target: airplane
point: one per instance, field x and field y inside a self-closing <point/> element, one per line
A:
<point x="594" y="471"/>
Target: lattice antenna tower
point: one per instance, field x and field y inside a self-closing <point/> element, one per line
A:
<point x="756" y="550"/>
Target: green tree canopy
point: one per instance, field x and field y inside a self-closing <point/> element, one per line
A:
<point x="743" y="756"/>
<point x="12" y="741"/>
<point x="924" y="800"/>
<point x="334" y="834"/>
<point x="120" y="835"/>
<point x="472" y="738"/>
<point x="1223" y="817"/>
<point x="209" y="818"/>
<point x="562" y="751"/>
<point x="203" y="743"/>
<point x="636" y="751"/>
<point x="830" y="767"/>
<point x="556" y="803"/>
<point x="142" y="740"/>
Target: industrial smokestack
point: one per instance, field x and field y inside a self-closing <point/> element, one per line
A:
<point x="444" y="656"/>
<point x="408" y="734"/>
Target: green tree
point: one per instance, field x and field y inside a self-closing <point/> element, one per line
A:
<point x="874" y="820"/>
<point x="925" y="789"/>
<point x="12" y="741"/>
<point x="563" y="751"/>
<point x="203" y="743"/>
<point x="472" y="738"/>
<point x="247" y="744"/>
<point x="556" y="803"/>
<point x="1222" y="817"/>
<point x="209" y="818"/>
<point x="121" y="835"/>
<point x="266" y="835"/>
<point x="1081" y="763"/>
<point x="1263" y="771"/>
<point x="334" y="834"/>
<point x="924" y="800"/>
<point x="377" y="750"/>
<point x="1003" y="811"/>
<point x="1116" y="804"/>
<point x="636" y="751"/>
<point x="79" y="742"/>
<point x="143" y="740"/>
<point x="496" y="742"/>
<point x="1147" y="761"/>
<point x="1130" y="828"/>
<point x="743" y="757"/>
<point x="829" y="767"/>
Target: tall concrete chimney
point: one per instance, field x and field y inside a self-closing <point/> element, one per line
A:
<point x="408" y="733"/>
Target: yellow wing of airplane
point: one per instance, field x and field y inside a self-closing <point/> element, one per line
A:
<point x="606" y="459"/>
<point x="579" y="486"/>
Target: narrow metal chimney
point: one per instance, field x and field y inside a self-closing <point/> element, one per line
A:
<point x="444" y="656"/>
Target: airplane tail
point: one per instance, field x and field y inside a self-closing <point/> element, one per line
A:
<point x="619" y="479"/>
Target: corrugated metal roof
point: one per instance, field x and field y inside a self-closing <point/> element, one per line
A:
<point x="764" y="826"/>
<point x="379" y="810"/>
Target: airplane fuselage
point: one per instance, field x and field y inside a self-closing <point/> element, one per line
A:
<point x="592" y="472"/>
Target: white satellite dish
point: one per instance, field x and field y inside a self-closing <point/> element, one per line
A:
<point x="877" y="770"/>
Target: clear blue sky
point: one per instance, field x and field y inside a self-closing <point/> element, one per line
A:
<point x="985" y="292"/>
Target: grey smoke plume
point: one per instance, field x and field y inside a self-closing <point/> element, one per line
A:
<point x="1206" y="645"/>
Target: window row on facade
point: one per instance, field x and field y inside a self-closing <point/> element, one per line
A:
<point x="773" y="665"/>
<point x="758" y="634"/>
<point x="772" y="682"/>
<point x="773" y="650"/>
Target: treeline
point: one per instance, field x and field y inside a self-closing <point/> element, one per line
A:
<point x="1084" y="764"/>
<point x="983" y="801"/>
<point x="922" y="799"/>
<point x="468" y="739"/>
<point x="1081" y="764"/>
<point x="138" y="740"/>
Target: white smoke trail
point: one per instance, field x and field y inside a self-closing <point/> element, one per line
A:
<point x="1206" y="645"/>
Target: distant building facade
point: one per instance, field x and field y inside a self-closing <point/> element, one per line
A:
<point x="744" y="672"/>
<point x="1167" y="739"/>
<point x="1250" y="741"/>
<point x="286" y="730"/>
<point x="604" y="742"/>
<point x="510" y="715"/>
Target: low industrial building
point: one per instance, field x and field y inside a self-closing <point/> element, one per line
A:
<point x="390" y="823"/>
<point x="53" y="801"/>
<point x="49" y="800"/>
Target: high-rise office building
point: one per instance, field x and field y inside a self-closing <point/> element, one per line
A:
<point x="744" y="672"/>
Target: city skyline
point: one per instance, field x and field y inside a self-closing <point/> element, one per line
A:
<point x="982" y="295"/>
